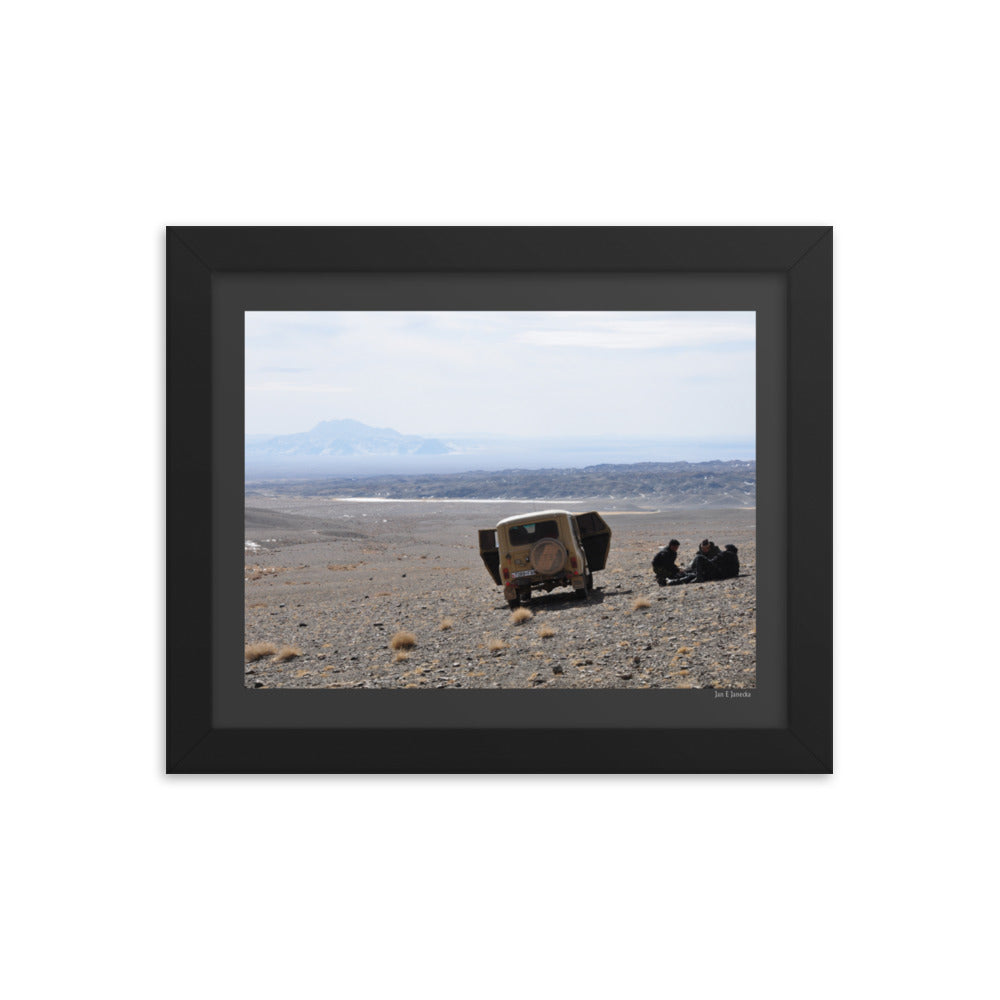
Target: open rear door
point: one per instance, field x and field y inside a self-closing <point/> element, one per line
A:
<point x="490" y="552"/>
<point x="595" y="536"/>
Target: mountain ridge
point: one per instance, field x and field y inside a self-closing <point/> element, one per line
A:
<point x="344" y="437"/>
<point x="679" y="484"/>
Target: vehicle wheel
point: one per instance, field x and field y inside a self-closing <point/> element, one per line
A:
<point x="590" y="582"/>
<point x="582" y="594"/>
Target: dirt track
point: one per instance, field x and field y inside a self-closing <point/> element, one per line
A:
<point x="338" y="580"/>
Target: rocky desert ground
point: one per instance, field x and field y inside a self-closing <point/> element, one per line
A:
<point x="393" y="594"/>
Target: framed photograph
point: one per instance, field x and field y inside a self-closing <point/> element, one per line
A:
<point x="499" y="500"/>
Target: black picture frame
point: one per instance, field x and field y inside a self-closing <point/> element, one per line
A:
<point x="801" y="255"/>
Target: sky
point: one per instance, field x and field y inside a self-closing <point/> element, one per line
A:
<point x="684" y="375"/>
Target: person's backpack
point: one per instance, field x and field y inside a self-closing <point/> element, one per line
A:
<point x="728" y="563"/>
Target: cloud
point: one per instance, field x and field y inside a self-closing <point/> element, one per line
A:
<point x="441" y="373"/>
<point x="644" y="334"/>
<point x="296" y="387"/>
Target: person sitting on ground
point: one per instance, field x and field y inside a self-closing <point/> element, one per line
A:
<point x="707" y="549"/>
<point x="665" y="562"/>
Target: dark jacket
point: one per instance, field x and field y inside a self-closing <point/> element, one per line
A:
<point x="713" y="551"/>
<point x="665" y="563"/>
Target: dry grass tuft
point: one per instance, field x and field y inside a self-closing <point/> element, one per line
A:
<point x="403" y="640"/>
<point x="446" y="623"/>
<point x="495" y="645"/>
<point x="258" y="650"/>
<point x="521" y="615"/>
<point x="256" y="572"/>
<point x="546" y="632"/>
<point x="401" y="657"/>
<point x="640" y="602"/>
<point x="287" y="653"/>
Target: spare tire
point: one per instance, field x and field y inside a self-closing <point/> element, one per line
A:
<point x="548" y="556"/>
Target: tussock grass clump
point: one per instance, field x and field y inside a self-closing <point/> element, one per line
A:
<point x="256" y="572"/>
<point x="495" y="645"/>
<point x="640" y="602"/>
<point x="521" y="615"/>
<point x="546" y="632"/>
<point x="287" y="653"/>
<point x="403" y="640"/>
<point x="446" y="623"/>
<point x="401" y="657"/>
<point x="258" y="650"/>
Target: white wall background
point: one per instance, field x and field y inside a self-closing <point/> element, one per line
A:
<point x="120" y="119"/>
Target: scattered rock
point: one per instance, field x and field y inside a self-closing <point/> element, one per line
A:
<point x="594" y="644"/>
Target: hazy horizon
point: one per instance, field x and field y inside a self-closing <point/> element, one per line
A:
<point x="496" y="453"/>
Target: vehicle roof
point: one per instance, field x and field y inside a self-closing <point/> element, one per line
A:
<point x="528" y="518"/>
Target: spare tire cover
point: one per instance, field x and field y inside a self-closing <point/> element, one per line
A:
<point x="548" y="555"/>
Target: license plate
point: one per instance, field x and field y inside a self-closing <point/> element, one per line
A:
<point x="524" y="572"/>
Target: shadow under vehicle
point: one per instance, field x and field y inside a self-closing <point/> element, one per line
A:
<point x="544" y="550"/>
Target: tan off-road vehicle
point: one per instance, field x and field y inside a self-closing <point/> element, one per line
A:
<point x="544" y="550"/>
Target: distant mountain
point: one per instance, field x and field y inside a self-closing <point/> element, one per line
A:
<point x="639" y="485"/>
<point x="342" y="438"/>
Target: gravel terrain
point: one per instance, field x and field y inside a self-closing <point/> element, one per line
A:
<point x="330" y="583"/>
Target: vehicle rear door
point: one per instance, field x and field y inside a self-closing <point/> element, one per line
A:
<point x="490" y="552"/>
<point x="595" y="537"/>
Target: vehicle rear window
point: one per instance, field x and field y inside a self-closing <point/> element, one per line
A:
<point x="528" y="534"/>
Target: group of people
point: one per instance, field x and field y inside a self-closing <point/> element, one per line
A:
<point x="709" y="563"/>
